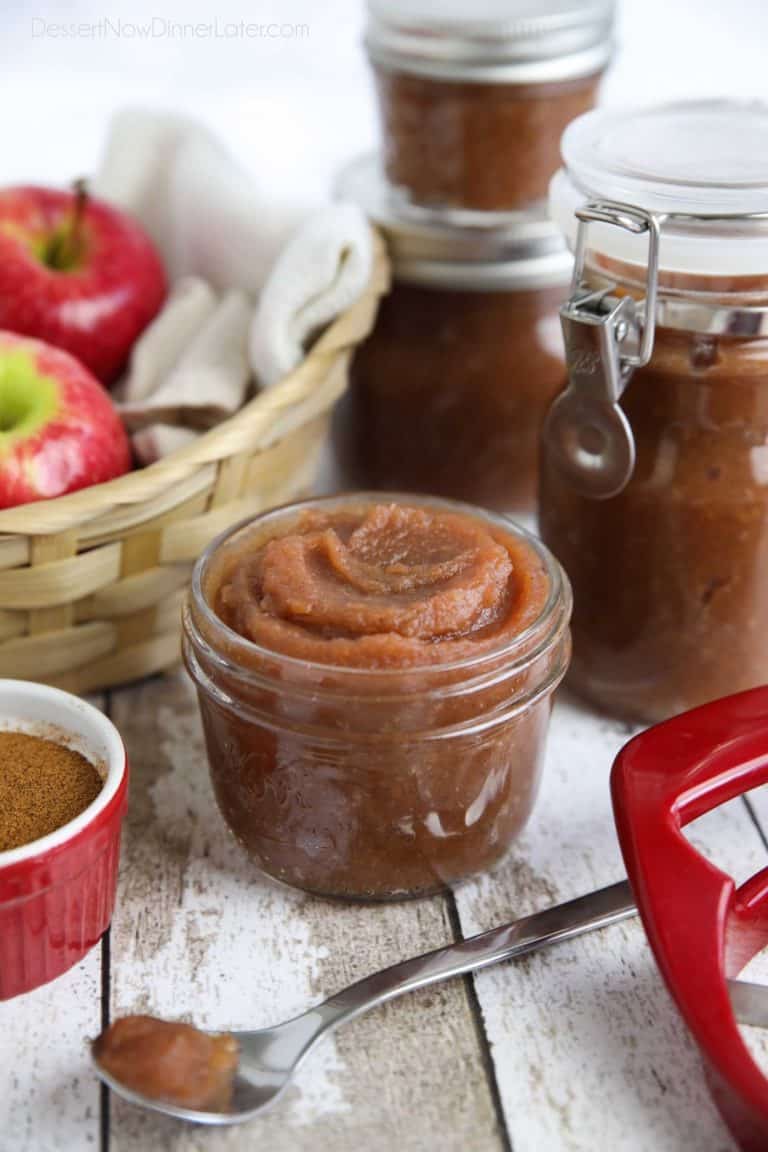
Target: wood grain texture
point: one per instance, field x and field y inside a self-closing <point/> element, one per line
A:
<point x="588" y="1052"/>
<point x="49" y="1100"/>
<point x="588" y="1049"/>
<point x="199" y="935"/>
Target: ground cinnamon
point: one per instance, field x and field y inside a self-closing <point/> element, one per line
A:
<point x="43" y="785"/>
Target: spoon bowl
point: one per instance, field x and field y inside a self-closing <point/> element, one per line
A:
<point x="255" y="1087"/>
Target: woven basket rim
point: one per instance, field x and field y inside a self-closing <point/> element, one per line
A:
<point x="143" y="483"/>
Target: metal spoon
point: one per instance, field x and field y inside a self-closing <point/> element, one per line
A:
<point x="270" y="1056"/>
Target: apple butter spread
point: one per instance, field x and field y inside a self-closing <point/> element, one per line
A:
<point x="473" y="101"/>
<point x="374" y="679"/>
<point x="449" y="392"/>
<point x="656" y="498"/>
<point x="488" y="147"/>
<point x="669" y="575"/>
<point x="169" y="1061"/>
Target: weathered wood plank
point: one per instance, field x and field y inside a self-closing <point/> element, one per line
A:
<point x="588" y="1049"/>
<point x="199" y="935"/>
<point x="49" y="1099"/>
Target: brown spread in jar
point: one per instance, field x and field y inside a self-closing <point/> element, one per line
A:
<point x="670" y="594"/>
<point x="374" y="680"/>
<point x="169" y="1061"/>
<point x="448" y="394"/>
<point x="489" y="147"/>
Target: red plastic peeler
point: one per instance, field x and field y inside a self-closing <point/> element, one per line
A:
<point x="702" y="929"/>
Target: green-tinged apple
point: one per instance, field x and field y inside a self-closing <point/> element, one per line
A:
<point x="77" y="273"/>
<point x="58" y="427"/>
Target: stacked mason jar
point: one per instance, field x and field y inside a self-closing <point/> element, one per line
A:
<point x="449" y="394"/>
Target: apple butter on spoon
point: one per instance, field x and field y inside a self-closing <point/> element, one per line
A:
<point x="169" y="1061"/>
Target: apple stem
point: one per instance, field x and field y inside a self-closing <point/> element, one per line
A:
<point x="80" y="189"/>
<point x="66" y="245"/>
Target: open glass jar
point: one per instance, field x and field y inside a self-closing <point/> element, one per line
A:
<point x="473" y="98"/>
<point x="357" y="758"/>
<point x="449" y="393"/>
<point x="655" y="468"/>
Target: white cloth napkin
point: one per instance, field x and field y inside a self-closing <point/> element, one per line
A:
<point x="154" y="355"/>
<point x="320" y="273"/>
<point x="189" y="369"/>
<point x="207" y="215"/>
<point x="219" y="235"/>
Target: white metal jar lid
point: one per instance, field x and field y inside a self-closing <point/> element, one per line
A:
<point x="504" y="41"/>
<point x="482" y="251"/>
<point x="700" y="166"/>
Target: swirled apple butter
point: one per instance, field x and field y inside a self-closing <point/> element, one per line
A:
<point x="375" y="678"/>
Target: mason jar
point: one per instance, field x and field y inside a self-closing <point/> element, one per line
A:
<point x="365" y="759"/>
<point x="655" y="465"/>
<point x="449" y="392"/>
<point x="473" y="98"/>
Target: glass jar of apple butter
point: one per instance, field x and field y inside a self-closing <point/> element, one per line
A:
<point x="473" y="98"/>
<point x="449" y="393"/>
<point x="375" y="676"/>
<point x="655" y="468"/>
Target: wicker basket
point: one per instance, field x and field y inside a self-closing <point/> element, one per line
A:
<point x="91" y="584"/>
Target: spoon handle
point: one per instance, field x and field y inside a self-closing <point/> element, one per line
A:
<point x="562" y="922"/>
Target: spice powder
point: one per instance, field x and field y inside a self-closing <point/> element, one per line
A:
<point x="43" y="785"/>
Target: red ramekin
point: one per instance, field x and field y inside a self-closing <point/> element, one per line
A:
<point x="57" y="893"/>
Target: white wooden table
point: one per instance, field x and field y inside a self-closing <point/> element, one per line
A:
<point x="574" y="1049"/>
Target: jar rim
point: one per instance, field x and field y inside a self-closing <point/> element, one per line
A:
<point x="558" y="593"/>
<point x="472" y="725"/>
<point x="457" y="247"/>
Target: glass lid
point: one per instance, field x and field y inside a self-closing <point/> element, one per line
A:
<point x="702" y="166"/>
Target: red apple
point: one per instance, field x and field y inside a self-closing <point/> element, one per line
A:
<point x="58" y="427"/>
<point x="76" y="273"/>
